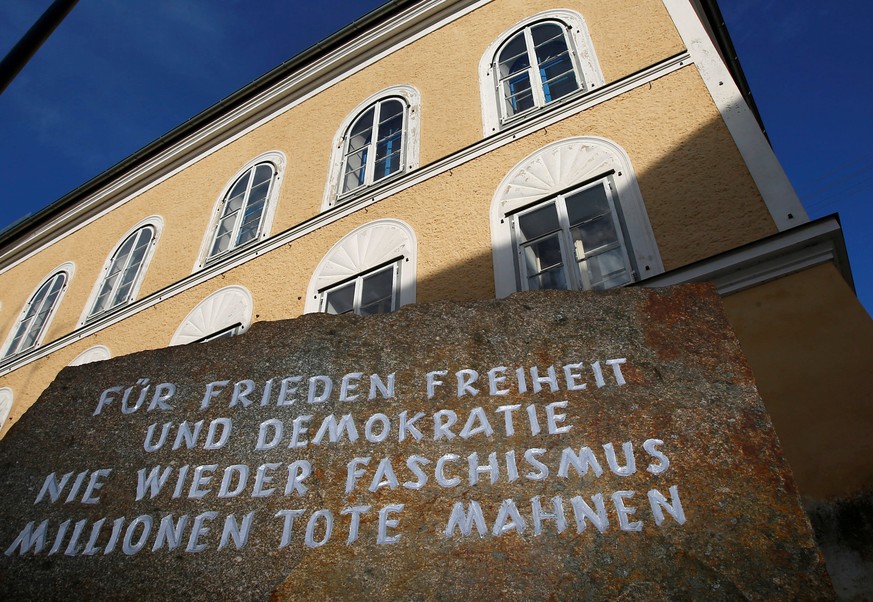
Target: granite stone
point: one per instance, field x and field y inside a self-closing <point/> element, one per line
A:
<point x="553" y="445"/>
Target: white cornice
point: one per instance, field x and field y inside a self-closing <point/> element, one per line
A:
<point x="367" y="198"/>
<point x="780" y="255"/>
<point x="775" y="188"/>
<point x="370" y="46"/>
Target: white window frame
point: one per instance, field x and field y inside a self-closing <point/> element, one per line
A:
<point x="156" y="223"/>
<point x="360" y="253"/>
<point x="560" y="167"/>
<point x="409" y="159"/>
<point x="394" y="265"/>
<point x="278" y="161"/>
<point x="576" y="277"/>
<point x="229" y="308"/>
<point x="67" y="269"/>
<point x="582" y="55"/>
<point x="97" y="353"/>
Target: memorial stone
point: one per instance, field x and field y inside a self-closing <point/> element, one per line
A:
<point x="553" y="445"/>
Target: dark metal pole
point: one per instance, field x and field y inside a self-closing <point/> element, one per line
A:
<point x="32" y="40"/>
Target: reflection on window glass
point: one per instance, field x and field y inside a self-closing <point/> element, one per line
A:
<point x="373" y="145"/>
<point x="535" y="67"/>
<point x="123" y="272"/>
<point x="373" y="292"/>
<point x="573" y="241"/>
<point x="224" y="333"/>
<point x="243" y="210"/>
<point x="36" y="314"/>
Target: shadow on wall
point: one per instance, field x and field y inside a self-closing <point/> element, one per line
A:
<point x="700" y="202"/>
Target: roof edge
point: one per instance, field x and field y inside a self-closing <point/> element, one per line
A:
<point x="380" y="14"/>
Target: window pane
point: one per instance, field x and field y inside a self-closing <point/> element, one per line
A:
<point x="361" y="132"/>
<point x="517" y="94"/>
<point x="387" y="160"/>
<point x="16" y="340"/>
<point x="222" y="235"/>
<point x="236" y="196"/>
<point x="587" y="204"/>
<point x="123" y="292"/>
<point x="263" y="173"/>
<point x="513" y="58"/>
<point x="545" y="254"/>
<point x="377" y="292"/>
<point x="390" y="117"/>
<point x="553" y="279"/>
<point x="389" y="139"/>
<point x="549" y="42"/>
<point x="538" y="222"/>
<point x="36" y="315"/>
<point x="606" y="270"/>
<point x="591" y="237"/>
<point x="559" y="79"/>
<point x="340" y="300"/>
<point x="257" y="196"/>
<point x="554" y="61"/>
<point x="592" y="227"/>
<point x="251" y="221"/>
<point x="138" y="253"/>
<point x="355" y="171"/>
<point x="102" y="301"/>
<point x="234" y="204"/>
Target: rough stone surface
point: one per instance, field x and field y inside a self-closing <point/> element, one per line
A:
<point x="683" y="405"/>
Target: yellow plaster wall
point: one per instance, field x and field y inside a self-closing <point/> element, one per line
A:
<point x="808" y="340"/>
<point x="699" y="196"/>
<point x="672" y="143"/>
<point x="628" y="35"/>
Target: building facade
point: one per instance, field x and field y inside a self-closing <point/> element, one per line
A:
<point x="454" y="151"/>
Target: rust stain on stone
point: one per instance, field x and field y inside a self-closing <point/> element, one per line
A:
<point x="573" y="445"/>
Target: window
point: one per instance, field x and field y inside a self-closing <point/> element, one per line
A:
<point x="572" y="241"/>
<point x="123" y="274"/>
<point x="97" y="353"/>
<point x="540" y="60"/>
<point x="245" y="209"/>
<point x="372" y="293"/>
<point x="373" y="148"/>
<point x="571" y="216"/>
<point x="32" y="323"/>
<point x="534" y="68"/>
<point x="224" y="333"/>
<point x="379" y="140"/>
<point x="370" y="270"/>
<point x="225" y="313"/>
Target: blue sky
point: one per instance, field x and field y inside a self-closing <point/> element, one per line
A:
<point x="117" y="74"/>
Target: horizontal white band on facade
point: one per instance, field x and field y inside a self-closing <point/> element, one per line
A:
<point x="368" y="197"/>
<point x="781" y="254"/>
<point x="299" y="86"/>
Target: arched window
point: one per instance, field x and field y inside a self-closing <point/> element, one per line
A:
<point x="571" y="216"/>
<point x="246" y="207"/>
<point x="379" y="140"/>
<point x="224" y="313"/>
<point x="534" y="68"/>
<point x="97" y="353"/>
<point x="123" y="272"/>
<point x="370" y="270"/>
<point x="540" y="60"/>
<point x="31" y="325"/>
<point x="373" y="148"/>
